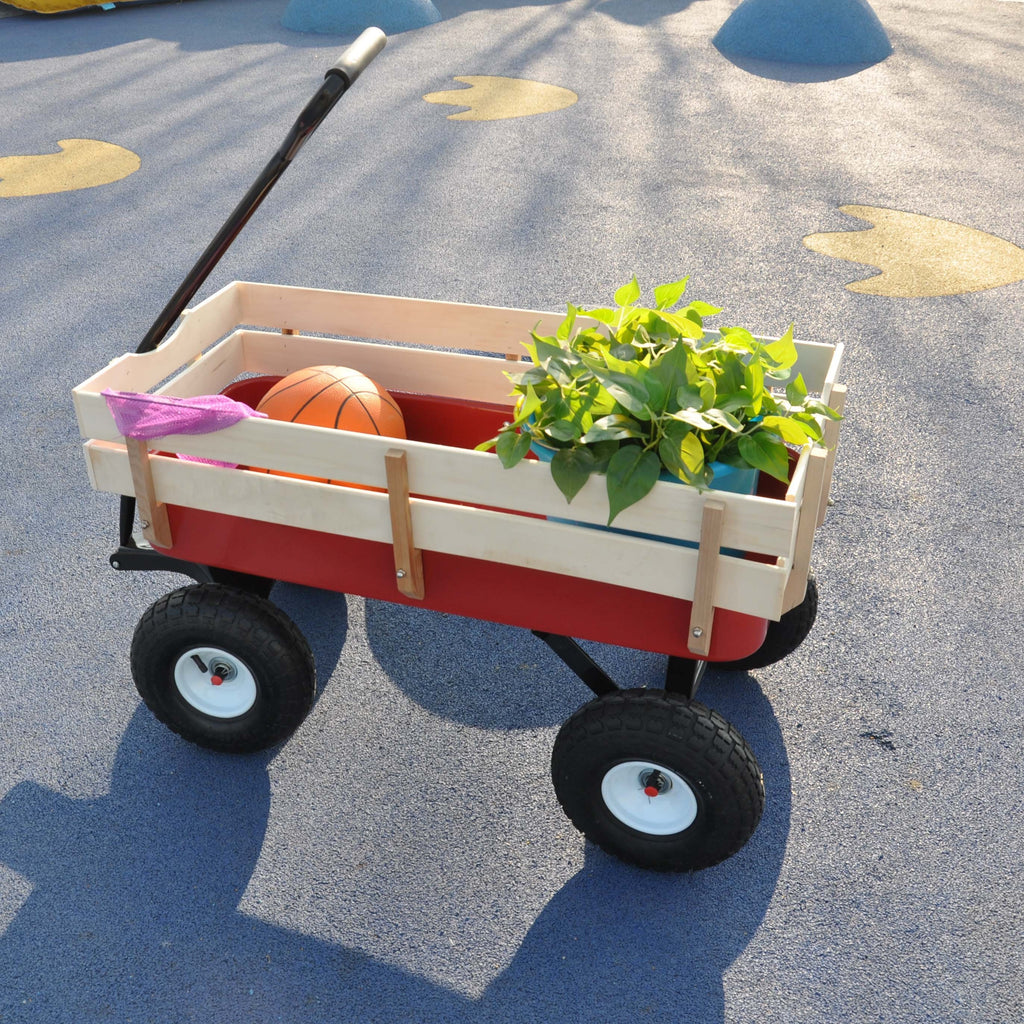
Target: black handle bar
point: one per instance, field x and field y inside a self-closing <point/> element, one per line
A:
<point x="349" y="67"/>
<point x="336" y="82"/>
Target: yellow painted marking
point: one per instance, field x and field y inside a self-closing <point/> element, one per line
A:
<point x="492" y="98"/>
<point x="921" y="256"/>
<point x="52" y="6"/>
<point x="81" y="163"/>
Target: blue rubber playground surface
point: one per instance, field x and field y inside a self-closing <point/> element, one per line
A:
<point x="403" y="857"/>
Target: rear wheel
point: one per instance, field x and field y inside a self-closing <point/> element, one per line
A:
<point x="657" y="780"/>
<point x="223" y="668"/>
<point x="783" y="637"/>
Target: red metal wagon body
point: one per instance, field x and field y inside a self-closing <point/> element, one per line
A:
<point x="488" y="545"/>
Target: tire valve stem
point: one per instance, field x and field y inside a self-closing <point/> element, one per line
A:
<point x="654" y="783"/>
<point x="200" y="664"/>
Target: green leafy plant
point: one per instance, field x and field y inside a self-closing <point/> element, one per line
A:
<point x="632" y="391"/>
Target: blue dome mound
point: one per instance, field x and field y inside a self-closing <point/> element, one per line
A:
<point x="805" y="32"/>
<point x="343" y="17"/>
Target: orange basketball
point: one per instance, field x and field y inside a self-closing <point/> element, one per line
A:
<point x="333" y="396"/>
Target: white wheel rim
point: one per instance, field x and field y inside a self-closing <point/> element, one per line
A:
<point x="672" y="810"/>
<point x="194" y="675"/>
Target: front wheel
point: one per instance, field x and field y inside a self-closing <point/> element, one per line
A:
<point x="223" y="668"/>
<point x="657" y="780"/>
<point x="783" y="637"/>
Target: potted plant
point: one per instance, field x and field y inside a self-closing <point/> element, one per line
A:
<point x="637" y="393"/>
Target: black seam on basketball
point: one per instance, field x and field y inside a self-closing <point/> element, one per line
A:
<point x="383" y="397"/>
<point x="313" y="398"/>
<point x="369" y="415"/>
<point x="280" y="391"/>
<point x="337" y="415"/>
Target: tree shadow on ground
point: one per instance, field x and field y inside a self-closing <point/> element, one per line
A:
<point x="195" y="25"/>
<point x="202" y="25"/>
<point x="629" y="11"/>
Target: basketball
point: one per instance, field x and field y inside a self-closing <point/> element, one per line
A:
<point x="333" y="396"/>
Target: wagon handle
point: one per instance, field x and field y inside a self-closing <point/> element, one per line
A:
<point x="349" y="66"/>
<point x="336" y="82"/>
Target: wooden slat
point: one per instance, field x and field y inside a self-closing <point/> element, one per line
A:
<point x="209" y="372"/>
<point x="796" y="587"/>
<point x="746" y="586"/>
<point x="408" y="558"/>
<point x="672" y="510"/>
<point x="702" y="614"/>
<point x="451" y="325"/>
<point x="199" y="329"/>
<point x="210" y="319"/>
<point x="152" y="513"/>
<point x="409" y="321"/>
<point x="832" y="374"/>
<point x="837" y="401"/>
<point x="423" y="371"/>
<point x="761" y="528"/>
<point x="392" y="318"/>
<point x="798" y="476"/>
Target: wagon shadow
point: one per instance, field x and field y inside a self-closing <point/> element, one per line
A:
<point x="136" y="895"/>
<point x="610" y="923"/>
<point x="656" y="947"/>
<point x="322" y="618"/>
<point x="133" y="912"/>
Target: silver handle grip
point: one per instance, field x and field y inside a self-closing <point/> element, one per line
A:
<point x="353" y="61"/>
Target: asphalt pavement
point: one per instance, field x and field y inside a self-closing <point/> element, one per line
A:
<point x="403" y="857"/>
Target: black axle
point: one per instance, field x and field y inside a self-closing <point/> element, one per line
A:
<point x="682" y="675"/>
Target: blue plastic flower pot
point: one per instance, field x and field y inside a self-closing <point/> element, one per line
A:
<point x="735" y="479"/>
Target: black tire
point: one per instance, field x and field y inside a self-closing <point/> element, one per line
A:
<point x="715" y="791"/>
<point x="261" y="586"/>
<point x="783" y="637"/>
<point x="268" y="677"/>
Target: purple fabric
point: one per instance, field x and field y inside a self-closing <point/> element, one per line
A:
<point x="145" y="416"/>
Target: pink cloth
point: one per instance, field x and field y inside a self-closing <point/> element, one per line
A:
<point x="145" y="416"/>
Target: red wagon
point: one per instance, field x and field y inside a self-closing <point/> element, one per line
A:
<point x="650" y="775"/>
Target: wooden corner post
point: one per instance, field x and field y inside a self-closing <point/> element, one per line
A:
<point x="807" y="523"/>
<point x="408" y="558"/>
<point x="702" y="614"/>
<point x="836" y="401"/>
<point x="156" y="527"/>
